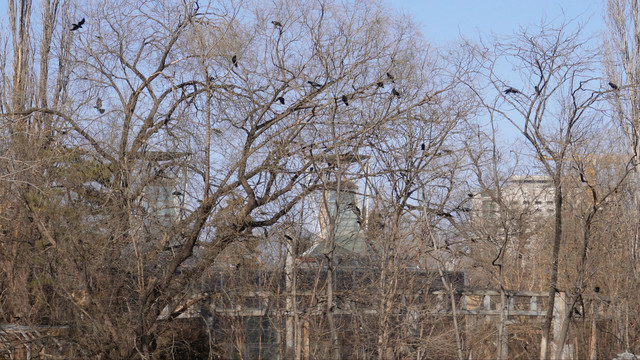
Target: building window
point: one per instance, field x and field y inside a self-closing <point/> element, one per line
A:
<point x="488" y="209"/>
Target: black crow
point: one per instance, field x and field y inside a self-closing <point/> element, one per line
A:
<point x="511" y="90"/>
<point x="99" y="106"/>
<point x="77" y="26"/>
<point x="276" y="23"/>
<point x="390" y="77"/>
<point x="596" y="289"/>
<point x="613" y="86"/>
<point x="537" y="90"/>
<point x="577" y="312"/>
<point x="176" y="193"/>
<point x="281" y="99"/>
<point x="345" y="100"/>
<point x="380" y="84"/>
<point x="395" y="92"/>
<point x="422" y="146"/>
<point x="314" y="84"/>
<point x="234" y="60"/>
<point x="356" y="210"/>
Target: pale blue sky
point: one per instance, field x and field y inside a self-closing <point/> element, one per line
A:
<point x="443" y="21"/>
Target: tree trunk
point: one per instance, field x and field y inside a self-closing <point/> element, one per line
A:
<point x="553" y="281"/>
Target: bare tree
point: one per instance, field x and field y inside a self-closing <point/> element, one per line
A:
<point x="552" y="108"/>
<point x="172" y="131"/>
<point x="622" y="70"/>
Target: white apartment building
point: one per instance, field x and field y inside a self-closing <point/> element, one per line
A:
<point x="532" y="194"/>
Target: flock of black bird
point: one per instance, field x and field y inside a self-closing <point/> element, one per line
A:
<point x="234" y="62"/>
<point x="510" y="90"/>
<point x="316" y="85"/>
<point x="345" y="100"/>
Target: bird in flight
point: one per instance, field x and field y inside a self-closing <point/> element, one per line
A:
<point x="234" y="60"/>
<point x="281" y="99"/>
<point x="345" y="100"/>
<point x="99" y="106"/>
<point x="77" y="26"/>
<point x="276" y="23"/>
<point x="511" y="90"/>
<point x="314" y="84"/>
<point x="395" y="92"/>
<point x="613" y="86"/>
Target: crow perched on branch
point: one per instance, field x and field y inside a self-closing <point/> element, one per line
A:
<point x="234" y="60"/>
<point x="356" y="210"/>
<point x="314" y="84"/>
<point x="345" y="100"/>
<point x="395" y="92"/>
<point x="77" y="26"/>
<point x="613" y="86"/>
<point x="380" y="84"/>
<point x="390" y="77"/>
<point x="276" y="23"/>
<point x="281" y="99"/>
